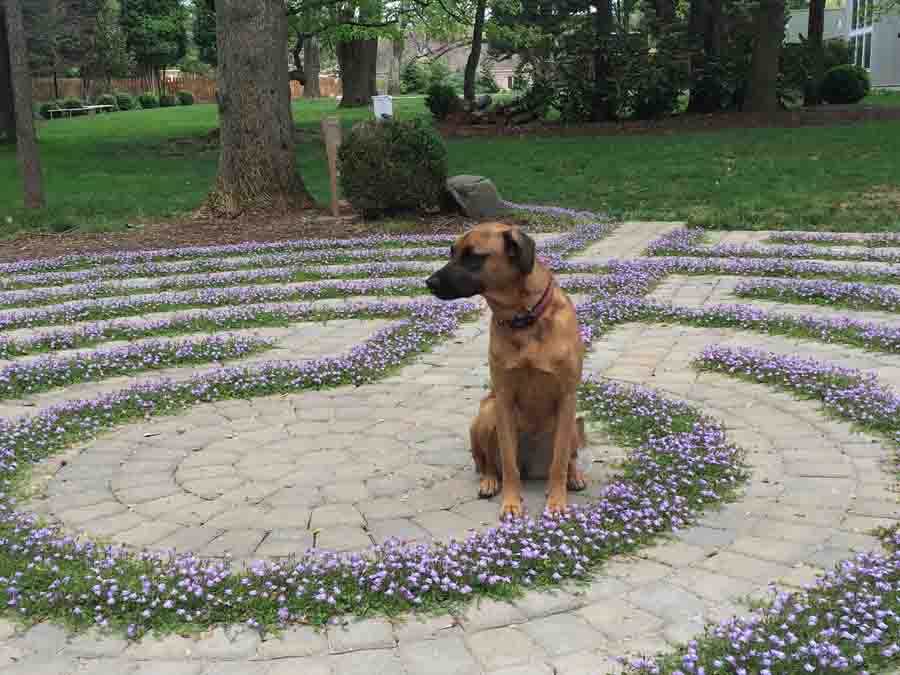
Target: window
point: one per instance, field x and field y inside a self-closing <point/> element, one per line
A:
<point x="861" y="33"/>
<point x="509" y="82"/>
<point x="867" y="55"/>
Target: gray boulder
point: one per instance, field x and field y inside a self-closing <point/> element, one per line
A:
<point x="476" y="196"/>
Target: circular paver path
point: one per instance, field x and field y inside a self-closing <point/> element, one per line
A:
<point x="352" y="467"/>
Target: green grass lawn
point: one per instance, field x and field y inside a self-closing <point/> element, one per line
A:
<point x="107" y="171"/>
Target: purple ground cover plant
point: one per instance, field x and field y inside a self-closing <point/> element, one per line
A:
<point x="848" y="621"/>
<point x="845" y="392"/>
<point x="681" y="463"/>
<point x="199" y="321"/>
<point x="49" y="372"/>
<point x="686" y="242"/>
<point x="821" y="291"/>
<point x="130" y="305"/>
<point x="875" y="239"/>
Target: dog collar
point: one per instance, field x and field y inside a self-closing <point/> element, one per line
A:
<point x="527" y="319"/>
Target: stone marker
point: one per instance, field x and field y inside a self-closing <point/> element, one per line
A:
<point x="476" y="196"/>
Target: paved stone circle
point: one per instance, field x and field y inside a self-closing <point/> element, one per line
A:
<point x="354" y="466"/>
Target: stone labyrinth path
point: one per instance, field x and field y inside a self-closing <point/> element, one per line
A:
<point x="270" y="475"/>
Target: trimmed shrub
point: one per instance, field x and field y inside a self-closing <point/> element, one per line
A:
<point x="845" y="84"/>
<point x="442" y="100"/>
<point x="413" y="78"/>
<point x="185" y="98"/>
<point x="148" y="100"/>
<point x="125" y="101"/>
<point x="45" y="108"/>
<point x="71" y="103"/>
<point x="167" y="101"/>
<point x="393" y="167"/>
<point x="107" y="99"/>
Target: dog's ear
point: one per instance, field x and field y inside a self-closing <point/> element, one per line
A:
<point x="520" y="249"/>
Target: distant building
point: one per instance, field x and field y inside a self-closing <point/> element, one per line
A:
<point x="874" y="40"/>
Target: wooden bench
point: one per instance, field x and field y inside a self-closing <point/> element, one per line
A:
<point x="89" y="109"/>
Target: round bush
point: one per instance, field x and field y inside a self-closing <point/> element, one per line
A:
<point x="392" y="166"/>
<point x="71" y="103"/>
<point x="185" y="98"/>
<point x="125" y="101"/>
<point x="148" y="100"/>
<point x="845" y="84"/>
<point x="442" y="100"/>
<point x="107" y="99"/>
<point x="167" y="101"/>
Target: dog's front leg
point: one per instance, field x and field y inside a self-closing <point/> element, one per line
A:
<point x="562" y="451"/>
<point x="508" y="438"/>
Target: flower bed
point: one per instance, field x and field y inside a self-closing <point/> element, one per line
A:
<point x="50" y="372"/>
<point x="874" y="240"/>
<point x="848" y="621"/>
<point x="686" y="241"/>
<point x="822" y="292"/>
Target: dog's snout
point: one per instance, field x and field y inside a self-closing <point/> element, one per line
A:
<point x="433" y="283"/>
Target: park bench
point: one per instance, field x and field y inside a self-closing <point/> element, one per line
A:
<point x="89" y="109"/>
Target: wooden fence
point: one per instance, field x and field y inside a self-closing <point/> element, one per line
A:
<point x="203" y="88"/>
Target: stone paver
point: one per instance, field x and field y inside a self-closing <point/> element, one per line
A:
<point x="347" y="468"/>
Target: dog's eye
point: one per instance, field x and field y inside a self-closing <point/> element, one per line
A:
<point x="473" y="261"/>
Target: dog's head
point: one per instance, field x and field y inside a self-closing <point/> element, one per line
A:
<point x="488" y="258"/>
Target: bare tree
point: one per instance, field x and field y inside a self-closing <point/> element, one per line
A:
<point x="475" y="52"/>
<point x="26" y="144"/>
<point x="257" y="165"/>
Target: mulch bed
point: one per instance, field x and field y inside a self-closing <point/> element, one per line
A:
<point x="804" y="117"/>
<point x="202" y="231"/>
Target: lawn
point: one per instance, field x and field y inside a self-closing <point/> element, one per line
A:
<point x="105" y="172"/>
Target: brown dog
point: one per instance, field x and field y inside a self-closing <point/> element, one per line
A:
<point x="527" y="425"/>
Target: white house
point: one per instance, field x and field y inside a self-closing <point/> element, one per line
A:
<point x="874" y="40"/>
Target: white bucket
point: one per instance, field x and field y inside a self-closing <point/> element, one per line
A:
<point x="384" y="107"/>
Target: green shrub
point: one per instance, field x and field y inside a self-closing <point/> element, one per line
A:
<point x="845" y="84"/>
<point x="45" y="108"/>
<point x="414" y="78"/>
<point x="185" y="98"/>
<point x="392" y="167"/>
<point x="442" y="100"/>
<point x="107" y="99"/>
<point x="486" y="83"/>
<point x="71" y="103"/>
<point x="125" y="101"/>
<point x="167" y="101"/>
<point x="148" y="100"/>
<point x="837" y="53"/>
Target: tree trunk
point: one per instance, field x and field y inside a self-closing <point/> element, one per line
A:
<point x="705" y="29"/>
<point x="257" y="164"/>
<point x="7" y="109"/>
<point x="475" y="52"/>
<point x="768" y="32"/>
<point x="602" y="107"/>
<point x="29" y="160"/>
<point x="311" y="67"/>
<point x="357" y="61"/>
<point x="815" y="53"/>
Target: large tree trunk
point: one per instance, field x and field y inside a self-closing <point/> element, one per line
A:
<point x="257" y="164"/>
<point x="475" y="52"/>
<point x="311" y="67"/>
<point x="7" y="109"/>
<point x="815" y="53"/>
<point x="768" y="35"/>
<point x="602" y="107"/>
<point x="357" y="61"/>
<point x="26" y="144"/>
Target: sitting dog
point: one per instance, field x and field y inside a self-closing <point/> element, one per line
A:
<point x="527" y="425"/>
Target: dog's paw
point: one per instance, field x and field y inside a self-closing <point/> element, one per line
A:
<point x="556" y="503"/>
<point x="576" y="482"/>
<point x="488" y="487"/>
<point x="511" y="509"/>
